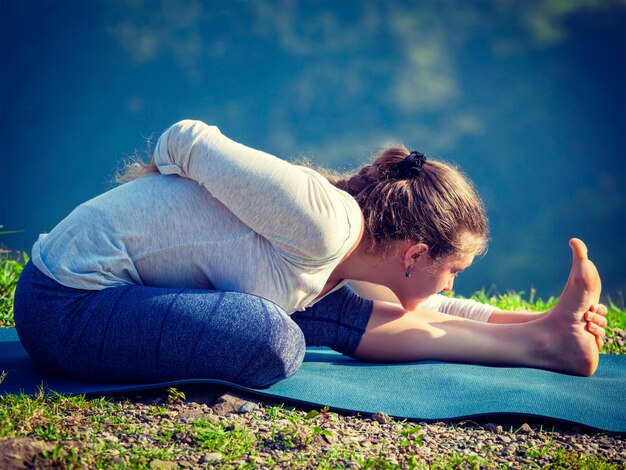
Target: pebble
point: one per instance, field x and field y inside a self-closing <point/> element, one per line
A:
<point x="494" y="428"/>
<point x="163" y="465"/>
<point x="381" y="417"/>
<point x="606" y="442"/>
<point x="227" y="403"/>
<point x="505" y="439"/>
<point x="212" y="457"/>
<point x="526" y="429"/>
<point x="191" y="415"/>
<point x="247" y="407"/>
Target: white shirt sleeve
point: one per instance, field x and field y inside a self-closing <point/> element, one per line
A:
<point x="293" y="207"/>
<point x="465" y="308"/>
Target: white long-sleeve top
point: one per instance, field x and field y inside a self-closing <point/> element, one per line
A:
<point x="465" y="308"/>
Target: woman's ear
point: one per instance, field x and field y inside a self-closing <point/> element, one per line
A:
<point x="413" y="253"/>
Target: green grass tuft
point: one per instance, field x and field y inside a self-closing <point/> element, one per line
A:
<point x="10" y="271"/>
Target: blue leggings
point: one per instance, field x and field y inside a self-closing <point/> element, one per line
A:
<point x="136" y="333"/>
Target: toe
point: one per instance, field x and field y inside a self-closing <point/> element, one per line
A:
<point x="600" y="309"/>
<point x="579" y="249"/>
<point x="596" y="330"/>
<point x="596" y="319"/>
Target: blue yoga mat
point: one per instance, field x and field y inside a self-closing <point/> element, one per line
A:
<point x="423" y="391"/>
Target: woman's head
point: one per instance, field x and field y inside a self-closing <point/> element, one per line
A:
<point x="423" y="220"/>
<point x="417" y="201"/>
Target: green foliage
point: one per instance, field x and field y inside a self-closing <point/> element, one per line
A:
<point x="515" y="301"/>
<point x="6" y="232"/>
<point x="40" y="414"/>
<point x="617" y="314"/>
<point x="10" y="271"/>
<point x="174" y="395"/>
<point x="227" y="439"/>
<point x="411" y="435"/>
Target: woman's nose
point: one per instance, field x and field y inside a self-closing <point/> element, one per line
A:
<point x="448" y="287"/>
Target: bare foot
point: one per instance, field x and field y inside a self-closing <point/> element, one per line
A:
<point x="570" y="346"/>
<point x="583" y="285"/>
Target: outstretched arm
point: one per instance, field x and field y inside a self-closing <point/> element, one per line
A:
<point x="595" y="317"/>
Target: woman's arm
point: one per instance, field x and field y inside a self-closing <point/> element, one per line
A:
<point x="294" y="207"/>
<point x="371" y="291"/>
<point x="464" y="308"/>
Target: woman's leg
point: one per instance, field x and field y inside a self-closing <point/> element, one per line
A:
<point x="144" y="334"/>
<point x="338" y="321"/>
<point x="558" y="341"/>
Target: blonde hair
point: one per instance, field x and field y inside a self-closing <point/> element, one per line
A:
<point x="135" y="168"/>
<point x="437" y="206"/>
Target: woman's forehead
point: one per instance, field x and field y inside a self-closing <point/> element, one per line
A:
<point x="460" y="261"/>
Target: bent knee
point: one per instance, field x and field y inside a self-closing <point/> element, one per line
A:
<point x="279" y="356"/>
<point x="291" y="352"/>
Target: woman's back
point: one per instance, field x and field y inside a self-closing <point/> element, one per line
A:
<point x="170" y="231"/>
<point x="156" y="230"/>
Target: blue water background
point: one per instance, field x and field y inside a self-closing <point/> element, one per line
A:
<point x="527" y="97"/>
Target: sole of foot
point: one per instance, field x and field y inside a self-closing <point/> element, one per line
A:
<point x="573" y="349"/>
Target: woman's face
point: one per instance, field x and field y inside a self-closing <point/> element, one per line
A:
<point x="428" y="278"/>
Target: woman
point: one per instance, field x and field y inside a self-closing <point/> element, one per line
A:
<point x="192" y="269"/>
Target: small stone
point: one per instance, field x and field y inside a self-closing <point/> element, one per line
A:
<point x="526" y="429"/>
<point x="163" y="465"/>
<point x="110" y="438"/>
<point x="607" y="442"/>
<point x="23" y="452"/>
<point x="189" y="416"/>
<point x="227" y="403"/>
<point x="505" y="439"/>
<point x="247" y="407"/>
<point x="382" y="418"/>
<point x="212" y="457"/>
<point x="492" y="427"/>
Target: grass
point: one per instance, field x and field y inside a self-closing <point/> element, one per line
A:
<point x="10" y="270"/>
<point x="102" y="432"/>
<point x="98" y="433"/>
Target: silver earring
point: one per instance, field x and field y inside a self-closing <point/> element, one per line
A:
<point x="408" y="273"/>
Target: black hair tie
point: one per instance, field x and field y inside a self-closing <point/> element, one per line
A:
<point x="411" y="166"/>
